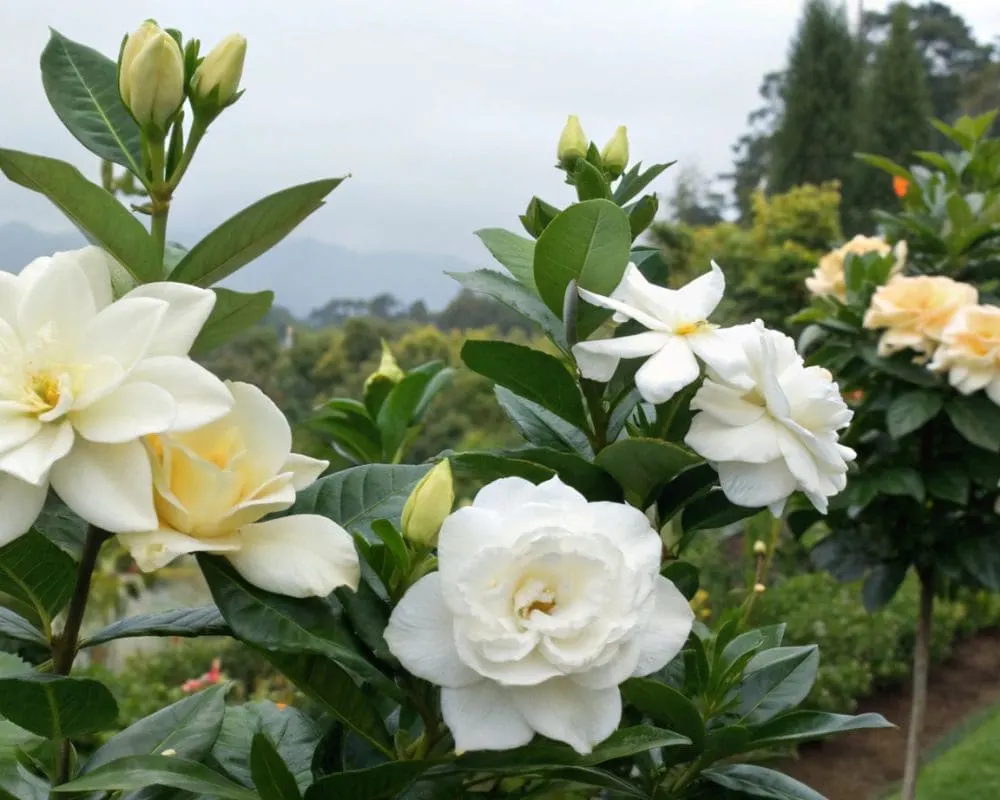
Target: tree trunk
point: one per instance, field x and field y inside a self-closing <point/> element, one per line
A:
<point x="918" y="703"/>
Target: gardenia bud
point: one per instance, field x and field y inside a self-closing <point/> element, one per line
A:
<point x="615" y="152"/>
<point x="221" y="70"/>
<point x="759" y="588"/>
<point x="573" y="143"/>
<point x="760" y="548"/>
<point x="428" y="505"/>
<point x="387" y="368"/>
<point x="151" y="76"/>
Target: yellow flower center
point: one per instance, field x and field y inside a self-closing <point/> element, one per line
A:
<point x="689" y="328"/>
<point x="534" y="595"/>
<point x="45" y="388"/>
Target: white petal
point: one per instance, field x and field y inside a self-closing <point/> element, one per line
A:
<point x="305" y="470"/>
<point x="201" y="397"/>
<point x="96" y="265"/>
<point x="755" y="443"/>
<point x="58" y="303"/>
<point x="698" y="299"/>
<point x="599" y="359"/>
<point x="482" y="717"/>
<point x="16" y="426"/>
<point x="722" y="355"/>
<point x="32" y="460"/>
<point x="657" y="301"/>
<point x="624" y="309"/>
<point x="421" y="635"/>
<point x="464" y="535"/>
<point x="667" y="372"/>
<point x="504" y="494"/>
<point x="629" y="530"/>
<point x="993" y="391"/>
<point x="10" y="294"/>
<point x="109" y="485"/>
<point x="567" y="712"/>
<point x="755" y="485"/>
<point x="265" y="431"/>
<point x="302" y="555"/>
<point x="127" y="413"/>
<point x="665" y="629"/>
<point x="153" y="550"/>
<point x="20" y="505"/>
<point x="800" y="461"/>
<point x="123" y="331"/>
<point x="188" y="309"/>
<point x="725" y="403"/>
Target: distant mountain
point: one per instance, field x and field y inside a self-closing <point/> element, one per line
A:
<point x="303" y="273"/>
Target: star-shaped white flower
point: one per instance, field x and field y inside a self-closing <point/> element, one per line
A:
<point x="679" y="330"/>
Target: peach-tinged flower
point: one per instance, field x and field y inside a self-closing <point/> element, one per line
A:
<point x="915" y="311"/>
<point x="900" y="186"/>
<point x="970" y="351"/>
<point x="828" y="277"/>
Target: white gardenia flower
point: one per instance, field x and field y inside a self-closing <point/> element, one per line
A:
<point x="778" y="436"/>
<point x="214" y="484"/>
<point x="83" y="377"/>
<point x="679" y="330"/>
<point x="542" y="605"/>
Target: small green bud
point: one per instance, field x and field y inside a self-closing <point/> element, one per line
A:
<point x="615" y="152"/>
<point x="387" y="368"/>
<point x="151" y="76"/>
<point x="572" y="143"/>
<point x="221" y="71"/>
<point x="428" y="505"/>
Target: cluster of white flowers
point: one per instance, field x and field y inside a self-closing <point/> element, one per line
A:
<point x="100" y="401"/>
<point x="766" y="421"/>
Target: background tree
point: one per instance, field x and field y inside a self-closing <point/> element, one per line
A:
<point x="694" y="200"/>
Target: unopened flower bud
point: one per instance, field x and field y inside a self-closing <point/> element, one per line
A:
<point x="221" y="71"/>
<point x="615" y="152"/>
<point x="759" y="588"/>
<point x="760" y="548"/>
<point x="169" y="752"/>
<point x="428" y="505"/>
<point x="151" y="76"/>
<point x="387" y="368"/>
<point x="573" y="142"/>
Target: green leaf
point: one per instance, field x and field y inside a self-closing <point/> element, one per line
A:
<point x="949" y="482"/>
<point x="183" y="622"/>
<point x="573" y="470"/>
<point x="356" y="497"/>
<point x="137" y="772"/>
<point x="251" y="232"/>
<point x="61" y="526"/>
<point x="900" y="366"/>
<point x="514" y="252"/>
<point x="327" y="684"/>
<point x="271" y="776"/>
<point x="776" y="680"/>
<point x="189" y="727"/>
<point x="980" y="555"/>
<point x="590" y="181"/>
<point x="530" y="374"/>
<point x="394" y="543"/>
<point x="233" y="313"/>
<point x="977" y="419"/>
<point x="911" y="411"/>
<point x="901" y="482"/>
<point x="35" y="571"/>
<point x="759" y="639"/>
<point x="759" y="782"/>
<point x="515" y="296"/>
<point x="713" y="511"/>
<point x="540" y="426"/>
<point x="642" y="214"/>
<point x="82" y="87"/>
<point x="287" y="624"/>
<point x="666" y="706"/>
<point x="491" y="466"/>
<point x="687" y="487"/>
<point x="88" y="206"/>
<point x="11" y="664"/>
<point x="17" y="783"/>
<point x="683" y="575"/>
<point x="643" y="466"/>
<point x="14" y="626"/>
<point x="294" y="734"/>
<point x="634" y="181"/>
<point x="399" y="410"/>
<point x="886" y="165"/>
<point x="589" y="243"/>
<point x="804" y="726"/>
<point x="54" y="706"/>
<point x="882" y="583"/>
<point x="375" y="783"/>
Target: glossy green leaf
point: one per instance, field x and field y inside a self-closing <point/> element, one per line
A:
<point x="61" y="526"/>
<point x="251" y="233"/>
<point x="14" y="626"/>
<point x="901" y="482"/>
<point x="685" y="576"/>
<point x="540" y="426"/>
<point x="356" y="497"/>
<point x="642" y="214"/>
<point x="590" y="181"/>
<point x="713" y="511"/>
<point x="980" y="555"/>
<point x="491" y="466"/>
<point x="399" y="410"/>
<point x="754" y="781"/>
<point x="882" y="583"/>
<point x="35" y="571"/>
<point x="234" y="312"/>
<point x="635" y="180"/>
<point x="804" y="726"/>
<point x="271" y="777"/>
<point x="977" y="419"/>
<point x="687" y="487"/>
<point x="530" y="374"/>
<point x="188" y="727"/>
<point x="911" y="411"/>
<point x="54" y="706"/>
<point x="589" y="243"/>
<point x="137" y="772"/>
<point x="949" y="481"/>
<point x="514" y="252"/>
<point x="382" y="782"/>
<point x="89" y="207"/>
<point x="643" y="466"/>
<point x="665" y="706"/>
<point x="182" y="622"/>
<point x="886" y="165"/>
<point x="756" y="640"/>
<point x="573" y="469"/>
<point x="82" y="87"/>
<point x="776" y="680"/>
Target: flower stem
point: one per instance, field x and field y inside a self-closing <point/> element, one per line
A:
<point x="65" y="645"/>
<point x="198" y="128"/>
<point x="918" y="703"/>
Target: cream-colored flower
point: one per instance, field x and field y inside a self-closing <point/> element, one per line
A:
<point x="828" y="277"/>
<point x="915" y="311"/>
<point x="213" y="485"/>
<point x="970" y="351"/>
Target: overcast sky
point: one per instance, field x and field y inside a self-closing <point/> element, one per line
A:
<point x="446" y="112"/>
